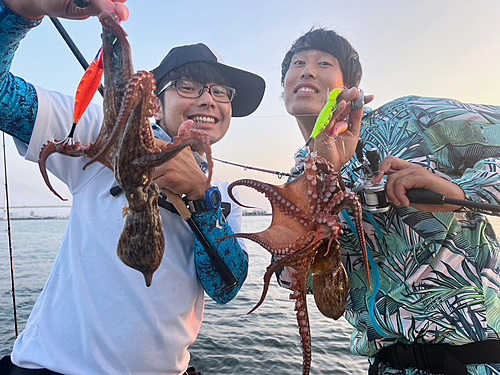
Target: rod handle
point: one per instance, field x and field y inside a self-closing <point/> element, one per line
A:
<point x="222" y="268"/>
<point x="424" y="196"/>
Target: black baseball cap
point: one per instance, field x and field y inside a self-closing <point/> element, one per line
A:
<point x="249" y="86"/>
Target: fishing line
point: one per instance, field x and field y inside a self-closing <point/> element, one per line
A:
<point x="323" y="120"/>
<point x="245" y="167"/>
<point x="9" y="235"/>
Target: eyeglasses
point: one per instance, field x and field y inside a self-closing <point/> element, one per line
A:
<point x="193" y="89"/>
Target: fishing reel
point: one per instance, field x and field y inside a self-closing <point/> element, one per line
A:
<point x="373" y="197"/>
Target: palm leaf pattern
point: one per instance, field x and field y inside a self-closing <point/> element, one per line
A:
<point x="439" y="272"/>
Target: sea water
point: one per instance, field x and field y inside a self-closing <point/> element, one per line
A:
<point x="230" y="341"/>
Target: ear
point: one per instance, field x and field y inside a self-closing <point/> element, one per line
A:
<point x="157" y="109"/>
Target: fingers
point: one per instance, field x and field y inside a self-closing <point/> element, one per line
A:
<point x="67" y="8"/>
<point x="399" y="179"/>
<point x="389" y="165"/>
<point x="182" y="175"/>
<point x="122" y="10"/>
<point x="349" y="95"/>
<point x="346" y="124"/>
<point x="97" y="7"/>
<point x="397" y="185"/>
<point x="70" y="9"/>
<point x="369" y="98"/>
<point x="403" y="176"/>
<point x="354" y="111"/>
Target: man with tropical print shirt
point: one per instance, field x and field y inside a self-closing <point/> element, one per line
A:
<point x="435" y="269"/>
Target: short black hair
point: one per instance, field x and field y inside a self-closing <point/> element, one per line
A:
<point x="330" y="42"/>
<point x="199" y="71"/>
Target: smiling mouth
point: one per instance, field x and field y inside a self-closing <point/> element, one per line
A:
<point x="204" y="120"/>
<point x="306" y="89"/>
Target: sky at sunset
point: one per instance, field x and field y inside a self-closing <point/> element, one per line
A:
<point x="435" y="48"/>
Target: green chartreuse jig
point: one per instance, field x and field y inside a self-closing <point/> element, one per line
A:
<point x="325" y="115"/>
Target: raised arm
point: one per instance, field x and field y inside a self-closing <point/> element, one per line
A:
<point x="18" y="98"/>
<point x="183" y="176"/>
<point x="214" y="226"/>
<point x="37" y="9"/>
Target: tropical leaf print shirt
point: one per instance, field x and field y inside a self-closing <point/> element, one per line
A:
<point x="435" y="276"/>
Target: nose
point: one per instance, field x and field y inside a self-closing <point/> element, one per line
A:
<point x="206" y="98"/>
<point x="308" y="71"/>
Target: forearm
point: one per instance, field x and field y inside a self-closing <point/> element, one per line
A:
<point x="18" y="99"/>
<point x="214" y="226"/>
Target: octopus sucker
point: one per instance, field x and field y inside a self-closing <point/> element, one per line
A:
<point x="126" y="145"/>
<point x="305" y="222"/>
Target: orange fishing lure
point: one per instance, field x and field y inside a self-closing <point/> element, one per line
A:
<point x="87" y="87"/>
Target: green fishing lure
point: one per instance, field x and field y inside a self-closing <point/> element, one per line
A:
<point x="325" y="115"/>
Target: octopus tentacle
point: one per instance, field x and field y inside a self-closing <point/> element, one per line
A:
<point x="231" y="186"/>
<point x="348" y="200"/>
<point x="294" y="260"/>
<point x="299" y="295"/>
<point x="158" y="158"/>
<point x="276" y="195"/>
<point x="73" y="150"/>
<point x="277" y="252"/>
<point x="47" y="150"/>
<point x="311" y="176"/>
<point x="271" y="269"/>
<point x="304" y="235"/>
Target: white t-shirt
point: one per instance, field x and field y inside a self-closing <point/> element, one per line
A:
<point x="95" y="315"/>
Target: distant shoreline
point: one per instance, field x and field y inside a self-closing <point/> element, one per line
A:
<point x="67" y="217"/>
<point x="38" y="218"/>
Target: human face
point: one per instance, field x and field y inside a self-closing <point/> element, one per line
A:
<point x="309" y="80"/>
<point x="209" y="115"/>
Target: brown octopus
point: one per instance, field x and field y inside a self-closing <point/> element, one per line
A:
<point x="126" y="145"/>
<point x="304" y="235"/>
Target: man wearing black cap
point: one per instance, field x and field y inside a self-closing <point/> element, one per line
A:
<point x="193" y="83"/>
<point x="95" y="315"/>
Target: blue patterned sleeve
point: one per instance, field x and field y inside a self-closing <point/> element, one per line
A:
<point x="214" y="226"/>
<point x="18" y="98"/>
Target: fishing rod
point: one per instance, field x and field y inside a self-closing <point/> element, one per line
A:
<point x="72" y="46"/>
<point x="425" y="196"/>
<point x="245" y="167"/>
<point x="9" y="235"/>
